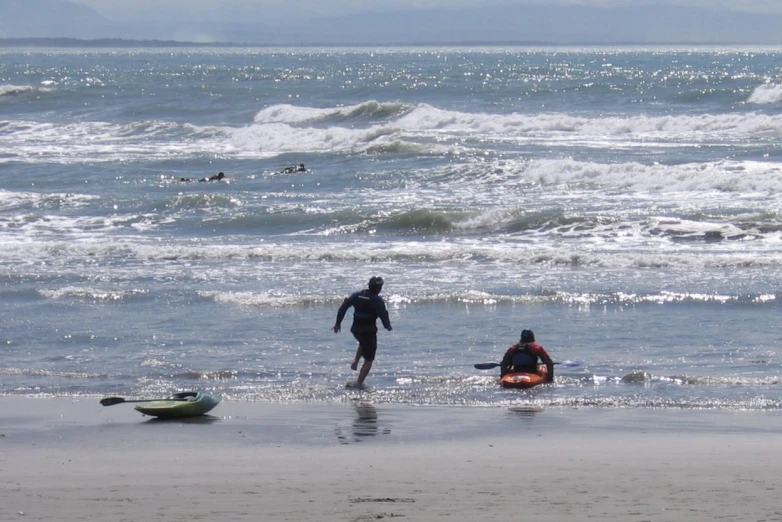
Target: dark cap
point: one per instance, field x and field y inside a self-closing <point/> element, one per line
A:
<point x="375" y="281"/>
<point x="527" y="336"/>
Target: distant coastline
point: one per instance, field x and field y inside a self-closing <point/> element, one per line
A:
<point x="109" y="42"/>
<point x="122" y="42"/>
<point x="130" y="43"/>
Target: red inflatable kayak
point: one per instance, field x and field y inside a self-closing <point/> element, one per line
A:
<point x="525" y="380"/>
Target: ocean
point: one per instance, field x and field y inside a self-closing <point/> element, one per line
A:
<point x="623" y="203"/>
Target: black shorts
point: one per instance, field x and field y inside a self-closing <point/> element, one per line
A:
<point x="367" y="342"/>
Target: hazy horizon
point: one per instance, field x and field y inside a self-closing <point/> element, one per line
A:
<point x="351" y="22"/>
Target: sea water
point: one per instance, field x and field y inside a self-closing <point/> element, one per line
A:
<point x="623" y="203"/>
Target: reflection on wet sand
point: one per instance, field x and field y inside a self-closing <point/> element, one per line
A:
<point x="199" y="419"/>
<point x="525" y="411"/>
<point x="364" y="425"/>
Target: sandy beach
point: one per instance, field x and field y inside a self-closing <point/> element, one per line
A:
<point x="69" y="460"/>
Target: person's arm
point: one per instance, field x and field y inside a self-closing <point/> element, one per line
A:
<point x="543" y="354"/>
<point x="347" y="303"/>
<point x="382" y="313"/>
<point x="507" y="360"/>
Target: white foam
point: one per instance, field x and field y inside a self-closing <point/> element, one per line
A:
<point x="282" y="129"/>
<point x="744" y="177"/>
<point x="91" y="141"/>
<point x="766" y="94"/>
<point x="90" y="293"/>
<point x="14" y="89"/>
<point x="536" y="250"/>
<point x="293" y="114"/>
<point x="279" y="128"/>
<point x="10" y="200"/>
<point x="428" y="118"/>
<point x="266" y="298"/>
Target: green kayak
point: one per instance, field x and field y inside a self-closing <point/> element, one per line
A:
<point x="178" y="405"/>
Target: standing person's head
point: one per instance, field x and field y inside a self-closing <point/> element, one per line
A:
<point x="527" y="336"/>
<point x="375" y="284"/>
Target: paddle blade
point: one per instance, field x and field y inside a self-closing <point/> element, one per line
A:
<point x="111" y="401"/>
<point x="486" y="366"/>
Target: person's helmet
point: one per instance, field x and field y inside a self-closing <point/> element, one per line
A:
<point x="527" y="336"/>
<point x="375" y="282"/>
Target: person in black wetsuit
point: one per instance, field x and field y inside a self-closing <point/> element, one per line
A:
<point x="217" y="177"/>
<point x="368" y="306"/>
<point x="299" y="168"/>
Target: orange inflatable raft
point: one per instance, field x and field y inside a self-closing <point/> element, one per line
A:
<point x="525" y="380"/>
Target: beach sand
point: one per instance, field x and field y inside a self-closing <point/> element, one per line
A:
<point x="72" y="459"/>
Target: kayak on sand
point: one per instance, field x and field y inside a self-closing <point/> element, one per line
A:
<point x="179" y="405"/>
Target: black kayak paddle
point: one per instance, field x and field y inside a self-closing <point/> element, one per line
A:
<point x="111" y="401"/>
<point x="489" y="366"/>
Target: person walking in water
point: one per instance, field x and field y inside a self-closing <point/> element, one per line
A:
<point x="368" y="306"/>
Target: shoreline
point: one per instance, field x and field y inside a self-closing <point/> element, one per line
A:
<point x="317" y="423"/>
<point x="72" y="459"/>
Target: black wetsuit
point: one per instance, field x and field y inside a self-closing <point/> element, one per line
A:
<point x="367" y="308"/>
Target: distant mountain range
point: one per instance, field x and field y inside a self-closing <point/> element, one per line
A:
<point x="531" y="24"/>
<point x="35" y="18"/>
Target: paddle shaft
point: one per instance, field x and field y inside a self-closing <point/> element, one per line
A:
<point x="111" y="401"/>
<point x="489" y="366"/>
<point x="154" y="400"/>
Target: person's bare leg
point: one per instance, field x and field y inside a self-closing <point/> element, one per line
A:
<point x="354" y="364"/>
<point x="364" y="372"/>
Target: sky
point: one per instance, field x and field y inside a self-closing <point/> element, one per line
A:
<point x="281" y="9"/>
<point x="367" y="22"/>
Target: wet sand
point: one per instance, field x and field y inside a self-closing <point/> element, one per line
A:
<point x="67" y="459"/>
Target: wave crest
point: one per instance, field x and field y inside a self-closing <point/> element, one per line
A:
<point x="766" y="94"/>
<point x="10" y="90"/>
<point x="92" y="294"/>
<point x="294" y="114"/>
